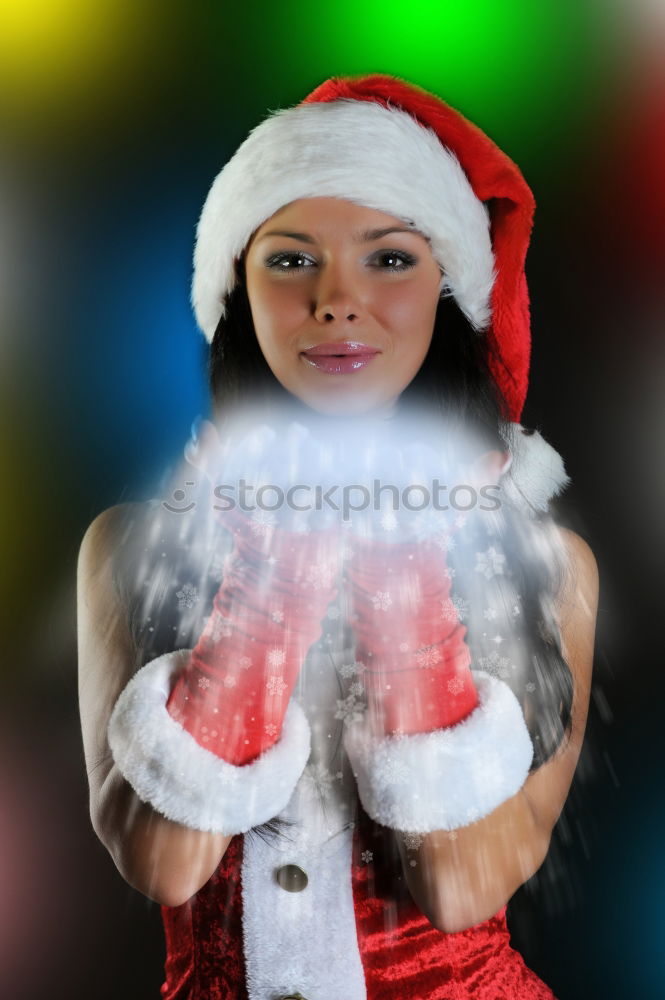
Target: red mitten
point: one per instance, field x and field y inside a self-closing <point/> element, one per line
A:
<point x="443" y="745"/>
<point x="408" y="637"/>
<point x="208" y="736"/>
<point x="233" y="694"/>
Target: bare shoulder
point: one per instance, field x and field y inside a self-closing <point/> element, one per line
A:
<point x="104" y="533"/>
<point x="579" y="591"/>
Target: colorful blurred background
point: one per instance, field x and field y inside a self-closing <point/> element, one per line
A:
<point x="114" y="118"/>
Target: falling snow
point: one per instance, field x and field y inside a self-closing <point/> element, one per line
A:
<point x="454" y="609"/>
<point x="204" y="683"/>
<point x="367" y="856"/>
<point x="493" y="663"/>
<point x="350" y="710"/>
<point x="276" y="658"/>
<point x="263" y="522"/>
<point x="221" y="628"/>
<point x="382" y="600"/>
<point x="187" y="597"/>
<point x="351" y="669"/>
<point x="412" y="841"/>
<point x="455" y="685"/>
<point x="395" y="772"/>
<point x="490" y="563"/>
<point x="320" y="576"/>
<point x="427" y="656"/>
<point x="276" y="686"/>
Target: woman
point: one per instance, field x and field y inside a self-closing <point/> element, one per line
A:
<point x="324" y="796"/>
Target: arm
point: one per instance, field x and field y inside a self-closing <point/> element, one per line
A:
<point x="164" y="860"/>
<point x="465" y="876"/>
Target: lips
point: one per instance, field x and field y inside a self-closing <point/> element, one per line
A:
<point x="335" y="358"/>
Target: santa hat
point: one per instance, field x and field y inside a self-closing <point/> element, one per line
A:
<point x="387" y="145"/>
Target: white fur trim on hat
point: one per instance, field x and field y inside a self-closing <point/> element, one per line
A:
<point x="536" y="473"/>
<point x="450" y="777"/>
<point x="182" y="780"/>
<point x="378" y="157"/>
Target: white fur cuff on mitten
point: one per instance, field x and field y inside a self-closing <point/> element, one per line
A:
<point x="182" y="780"/>
<point x="447" y="778"/>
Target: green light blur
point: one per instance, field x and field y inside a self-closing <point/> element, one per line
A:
<point x="519" y="68"/>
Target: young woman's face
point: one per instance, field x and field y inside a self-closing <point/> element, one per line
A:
<point x="343" y="300"/>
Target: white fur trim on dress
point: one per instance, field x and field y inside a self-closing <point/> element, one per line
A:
<point x="448" y="778"/>
<point x="305" y="941"/>
<point x="182" y="780"/>
<point x="536" y="473"/>
<point x="378" y="157"/>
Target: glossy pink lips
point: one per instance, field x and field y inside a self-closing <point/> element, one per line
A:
<point x="339" y="358"/>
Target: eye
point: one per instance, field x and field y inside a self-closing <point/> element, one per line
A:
<point x="289" y="261"/>
<point x="393" y="260"/>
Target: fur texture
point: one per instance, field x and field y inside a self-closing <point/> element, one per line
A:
<point x="536" y="473"/>
<point x="185" y="782"/>
<point x="301" y="941"/>
<point x="376" y="156"/>
<point x="448" y="778"/>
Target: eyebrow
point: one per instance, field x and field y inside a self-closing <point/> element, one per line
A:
<point x="366" y="236"/>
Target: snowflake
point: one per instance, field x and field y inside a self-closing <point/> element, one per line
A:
<point x="516" y="610"/>
<point x="460" y="520"/>
<point x="490" y="563"/>
<point x="445" y="541"/>
<point x="498" y="639"/>
<point x="270" y="729"/>
<point x="404" y="647"/>
<point x="319" y="779"/>
<point x="382" y="600"/>
<point x="216" y="567"/>
<point x="204" y="683"/>
<point x="276" y="658"/>
<point x="333" y="612"/>
<point x="229" y="681"/>
<point x="349" y="709"/>
<point x="221" y="629"/>
<point x="489" y="614"/>
<point x="367" y="857"/>
<point x="449" y="573"/>
<point x="356" y="689"/>
<point x="187" y="597"/>
<point x="455" y="685"/>
<point x="428" y="525"/>
<point x="454" y="609"/>
<point x="320" y="576"/>
<point x="262" y="522"/>
<point x="351" y="669"/>
<point x="412" y="841"/>
<point x="395" y="772"/>
<point x="276" y="686"/>
<point x="531" y="687"/>
<point x="277" y="617"/>
<point x="427" y="656"/>
<point x="495" y="664"/>
<point x="245" y="662"/>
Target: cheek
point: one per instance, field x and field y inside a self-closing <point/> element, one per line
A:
<point x="412" y="319"/>
<point x="275" y="313"/>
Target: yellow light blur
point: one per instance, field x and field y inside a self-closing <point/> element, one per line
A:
<point x="55" y="50"/>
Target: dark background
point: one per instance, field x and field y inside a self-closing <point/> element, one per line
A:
<point x="114" y="118"/>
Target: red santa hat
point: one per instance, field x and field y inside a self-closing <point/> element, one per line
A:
<point x="387" y="145"/>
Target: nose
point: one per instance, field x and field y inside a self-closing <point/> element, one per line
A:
<point x="338" y="296"/>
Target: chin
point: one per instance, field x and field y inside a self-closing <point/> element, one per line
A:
<point x="353" y="405"/>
